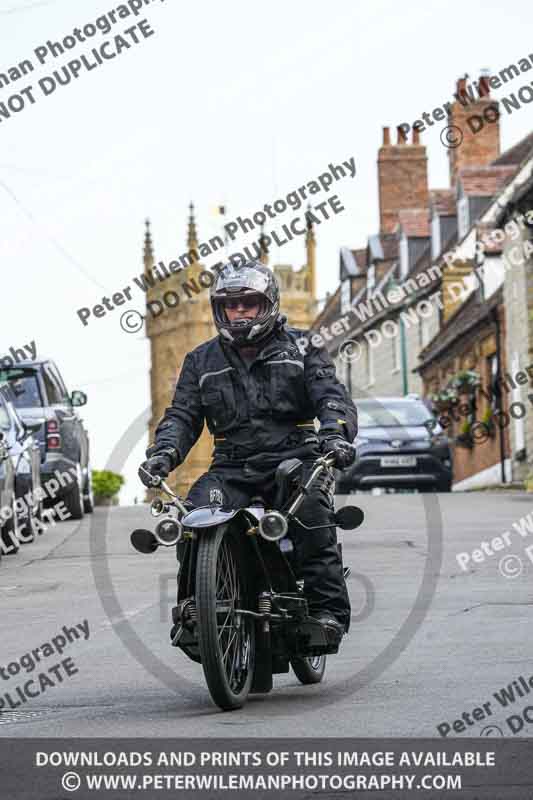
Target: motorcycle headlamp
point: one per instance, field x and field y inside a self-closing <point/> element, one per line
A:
<point x="168" y="532"/>
<point x="273" y="526"/>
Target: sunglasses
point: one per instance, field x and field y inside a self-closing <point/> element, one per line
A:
<point x="244" y="302"/>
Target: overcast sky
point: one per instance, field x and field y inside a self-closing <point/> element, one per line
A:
<point x="229" y="102"/>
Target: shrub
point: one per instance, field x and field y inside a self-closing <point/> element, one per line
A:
<point x="106" y="483"/>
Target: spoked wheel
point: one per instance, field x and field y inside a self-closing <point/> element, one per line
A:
<point x="226" y="638"/>
<point x="309" y="670"/>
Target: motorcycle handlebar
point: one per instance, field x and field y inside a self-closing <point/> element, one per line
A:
<point x="323" y="462"/>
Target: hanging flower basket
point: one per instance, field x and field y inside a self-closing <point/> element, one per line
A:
<point x="465" y="382"/>
<point x="444" y="400"/>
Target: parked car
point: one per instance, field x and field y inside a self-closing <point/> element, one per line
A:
<point x="20" y="473"/>
<point x="40" y="393"/>
<point x="399" y="445"/>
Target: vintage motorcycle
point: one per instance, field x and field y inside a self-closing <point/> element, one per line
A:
<point x="240" y="610"/>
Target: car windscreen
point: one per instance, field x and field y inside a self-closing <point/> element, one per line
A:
<point x="391" y="414"/>
<point x="24" y="386"/>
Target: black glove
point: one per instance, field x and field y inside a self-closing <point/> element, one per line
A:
<point x="160" y="463"/>
<point x="343" y="451"/>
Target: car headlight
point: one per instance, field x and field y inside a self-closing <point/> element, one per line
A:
<point x="439" y="439"/>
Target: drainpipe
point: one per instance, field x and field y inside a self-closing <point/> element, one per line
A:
<point x="499" y="396"/>
<point x="403" y="346"/>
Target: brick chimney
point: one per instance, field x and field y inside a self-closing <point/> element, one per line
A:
<point x="402" y="177"/>
<point x="480" y="134"/>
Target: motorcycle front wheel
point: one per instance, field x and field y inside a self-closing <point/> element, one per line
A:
<point x="226" y="638"/>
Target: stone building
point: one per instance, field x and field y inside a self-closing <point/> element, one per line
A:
<point x="412" y="319"/>
<point x="488" y="329"/>
<point x="505" y="265"/>
<point x="179" y="318"/>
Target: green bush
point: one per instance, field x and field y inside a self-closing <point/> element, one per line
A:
<point x="106" y="483"/>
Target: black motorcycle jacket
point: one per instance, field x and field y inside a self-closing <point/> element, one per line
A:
<point x="265" y="405"/>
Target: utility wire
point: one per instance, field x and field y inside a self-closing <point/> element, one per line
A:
<point x="50" y="238"/>
<point x="27" y="8"/>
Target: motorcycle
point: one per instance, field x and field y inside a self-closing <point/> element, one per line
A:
<point x="241" y="613"/>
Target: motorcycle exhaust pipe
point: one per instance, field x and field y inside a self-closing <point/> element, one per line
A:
<point x="272" y="526"/>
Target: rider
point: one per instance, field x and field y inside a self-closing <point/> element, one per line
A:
<point x="259" y="391"/>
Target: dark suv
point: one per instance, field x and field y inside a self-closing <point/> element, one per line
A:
<point x="399" y="445"/>
<point x="39" y="392"/>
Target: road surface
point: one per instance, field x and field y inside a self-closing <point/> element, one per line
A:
<point x="429" y="641"/>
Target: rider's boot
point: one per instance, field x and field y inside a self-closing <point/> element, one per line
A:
<point x="333" y="628"/>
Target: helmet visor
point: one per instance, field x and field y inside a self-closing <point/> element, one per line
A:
<point x="245" y="278"/>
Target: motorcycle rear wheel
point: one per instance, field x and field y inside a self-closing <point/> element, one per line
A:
<point x="226" y="639"/>
<point x="309" y="670"/>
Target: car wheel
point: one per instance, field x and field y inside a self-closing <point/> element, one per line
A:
<point x="445" y="486"/>
<point x="88" y="498"/>
<point x="10" y="542"/>
<point x="27" y="527"/>
<point x="74" y="497"/>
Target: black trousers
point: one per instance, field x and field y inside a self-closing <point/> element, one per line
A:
<point x="316" y="556"/>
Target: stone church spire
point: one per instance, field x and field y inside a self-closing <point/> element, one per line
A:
<point x="192" y="236"/>
<point x="263" y="258"/>
<point x="310" y="246"/>
<point x="148" y="254"/>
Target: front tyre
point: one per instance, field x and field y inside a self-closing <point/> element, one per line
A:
<point x="226" y="638"/>
<point x="88" y="497"/>
<point x="309" y="670"/>
<point x="74" y="497"/>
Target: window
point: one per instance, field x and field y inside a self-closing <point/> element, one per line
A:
<point x="345" y="296"/>
<point x="53" y="390"/>
<point x="492" y="374"/>
<point x="371" y="279"/>
<point x="435" y="236"/>
<point x="24" y="386"/>
<point x="463" y="217"/>
<point x="492" y="272"/>
<point x="391" y="413"/>
<point x="59" y="382"/>
<point x="404" y="256"/>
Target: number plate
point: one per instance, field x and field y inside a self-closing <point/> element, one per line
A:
<point x="398" y="461"/>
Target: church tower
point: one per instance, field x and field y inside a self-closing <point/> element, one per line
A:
<point x="173" y="333"/>
<point x="178" y="320"/>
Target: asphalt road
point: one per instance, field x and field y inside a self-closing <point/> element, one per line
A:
<point x="428" y="641"/>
